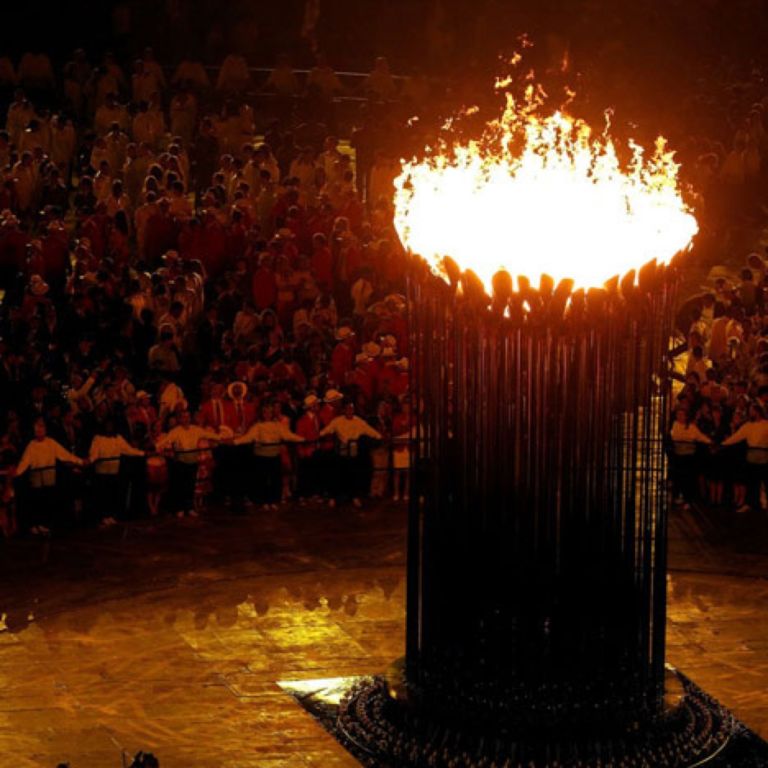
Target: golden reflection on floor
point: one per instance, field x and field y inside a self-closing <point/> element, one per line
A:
<point x="172" y="637"/>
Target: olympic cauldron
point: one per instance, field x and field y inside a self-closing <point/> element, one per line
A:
<point x="537" y="532"/>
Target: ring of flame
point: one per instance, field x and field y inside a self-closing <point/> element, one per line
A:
<point x="541" y="195"/>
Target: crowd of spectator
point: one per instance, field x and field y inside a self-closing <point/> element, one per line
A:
<point x="720" y="429"/>
<point x="183" y="262"/>
<point x="182" y="276"/>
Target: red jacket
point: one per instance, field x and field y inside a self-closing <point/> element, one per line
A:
<point x="214" y="417"/>
<point x="308" y="426"/>
<point x="362" y="377"/>
<point x="243" y="415"/>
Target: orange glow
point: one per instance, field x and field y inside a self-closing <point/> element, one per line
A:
<point x="543" y="195"/>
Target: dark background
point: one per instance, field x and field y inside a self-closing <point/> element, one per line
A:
<point x="447" y="34"/>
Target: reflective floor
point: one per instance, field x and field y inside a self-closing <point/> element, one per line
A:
<point x="172" y="637"/>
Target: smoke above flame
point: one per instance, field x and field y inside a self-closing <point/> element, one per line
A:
<point x="542" y="195"/>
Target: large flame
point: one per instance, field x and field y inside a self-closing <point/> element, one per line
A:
<point x="542" y="195"/>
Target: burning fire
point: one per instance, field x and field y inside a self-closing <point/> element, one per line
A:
<point x="542" y="195"/>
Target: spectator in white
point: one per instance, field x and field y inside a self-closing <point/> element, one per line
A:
<point x="39" y="458"/>
<point x="170" y="395"/>
<point x="184" y="440"/>
<point x="106" y="449"/>
<point x="79" y="389"/>
<point x="348" y="429"/>
<point x="755" y="434"/>
<point x="267" y="436"/>
<point x="686" y="437"/>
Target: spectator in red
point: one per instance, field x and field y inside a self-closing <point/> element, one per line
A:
<point x="242" y="411"/>
<point x="217" y="411"/>
<point x="362" y="376"/>
<point x="343" y="356"/>
<point x="308" y="427"/>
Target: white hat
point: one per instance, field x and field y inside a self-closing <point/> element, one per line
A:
<point x="372" y="349"/>
<point x="333" y="395"/>
<point x="344" y="332"/>
<point x="311" y="400"/>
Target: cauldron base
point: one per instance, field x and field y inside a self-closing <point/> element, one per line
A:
<point x="365" y="717"/>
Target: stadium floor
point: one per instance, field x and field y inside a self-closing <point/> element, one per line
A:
<point x="172" y="636"/>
